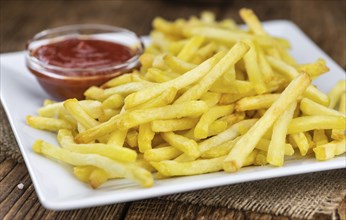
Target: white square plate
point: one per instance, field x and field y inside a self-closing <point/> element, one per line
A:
<point x="58" y="189"/>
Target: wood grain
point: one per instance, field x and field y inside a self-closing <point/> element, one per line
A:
<point x="323" y="21"/>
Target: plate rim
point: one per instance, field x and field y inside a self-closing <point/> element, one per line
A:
<point x="61" y="205"/>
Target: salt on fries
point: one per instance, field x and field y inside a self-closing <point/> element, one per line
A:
<point x="208" y="97"/>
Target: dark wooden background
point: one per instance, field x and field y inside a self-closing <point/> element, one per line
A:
<point x="322" y="20"/>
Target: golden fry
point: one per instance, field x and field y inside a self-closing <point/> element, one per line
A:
<point x="114" y="152"/>
<point x="276" y="149"/>
<point x="137" y="117"/>
<point x="308" y="123"/>
<point x="182" y="143"/>
<point x="50" y="124"/>
<point x="256" y="102"/>
<point x="145" y="136"/>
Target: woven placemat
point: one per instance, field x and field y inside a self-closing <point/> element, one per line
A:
<point x="301" y="196"/>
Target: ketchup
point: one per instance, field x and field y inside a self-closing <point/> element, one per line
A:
<point x="83" y="53"/>
<point x="70" y="66"/>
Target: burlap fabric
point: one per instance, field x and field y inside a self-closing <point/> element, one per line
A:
<point x="302" y="196"/>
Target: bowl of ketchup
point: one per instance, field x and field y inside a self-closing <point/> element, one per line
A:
<point x="68" y="60"/>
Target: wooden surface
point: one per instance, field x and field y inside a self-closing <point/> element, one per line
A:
<point x="323" y="21"/>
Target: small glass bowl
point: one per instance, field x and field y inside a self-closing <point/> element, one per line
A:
<point x="62" y="83"/>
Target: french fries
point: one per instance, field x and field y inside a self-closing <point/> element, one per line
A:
<point x="247" y="143"/>
<point x="208" y="97"/>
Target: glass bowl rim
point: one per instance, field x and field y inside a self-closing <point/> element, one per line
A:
<point x="48" y="70"/>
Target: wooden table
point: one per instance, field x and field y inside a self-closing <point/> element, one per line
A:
<point x="323" y="21"/>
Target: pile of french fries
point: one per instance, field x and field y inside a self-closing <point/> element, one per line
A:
<point x="209" y="96"/>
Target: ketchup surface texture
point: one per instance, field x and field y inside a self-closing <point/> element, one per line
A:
<point x="83" y="63"/>
<point x="83" y="53"/>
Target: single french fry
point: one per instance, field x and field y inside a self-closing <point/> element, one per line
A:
<point x="251" y="159"/>
<point x="97" y="178"/>
<point x="158" y="63"/>
<point x="248" y="142"/>
<point x="208" y="17"/>
<point x="308" y="123"/>
<point x="145" y="136"/>
<point x="301" y="141"/>
<point x="266" y="70"/>
<point x="256" y="102"/>
<point x="162" y="153"/>
<point x="173" y="124"/>
<point x="47" y="102"/>
<point x="261" y="158"/>
<point x="83" y="172"/>
<point x="336" y="92"/>
<point x="76" y="110"/>
<point x="202" y="128"/>
<point x="49" y="124"/>
<point x="51" y="110"/>
<point x="252" y="21"/>
<point x="178" y="65"/>
<point x="320" y="137"/>
<point x="146" y="60"/>
<point x="117" y="137"/>
<point x="310" y="141"/>
<point x="113" y="168"/>
<point x="121" y="80"/>
<point x="114" y="152"/>
<point x="233" y="55"/>
<point x="314" y="69"/>
<point x="233" y="118"/>
<point x="126" y="89"/>
<point x="144" y="164"/>
<point x="309" y="107"/>
<point x="190" y="48"/>
<point x="227" y="99"/>
<point x="165" y="26"/>
<point x="159" y="76"/>
<point x="232" y="87"/>
<point x="211" y="98"/>
<point x="276" y="149"/>
<point x="93" y="108"/>
<point x="132" y="138"/>
<point x="182" y="143"/>
<point x="215" y="128"/>
<point x="137" y="117"/>
<point x="113" y="102"/>
<point x="174" y="168"/>
<point x="253" y="70"/>
<point x="330" y="150"/>
<point x="218" y="34"/>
